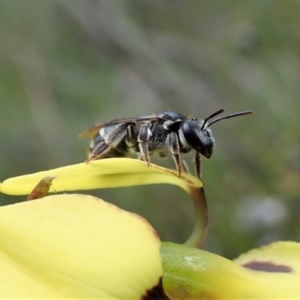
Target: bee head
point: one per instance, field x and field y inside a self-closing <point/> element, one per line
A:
<point x="198" y="135"/>
<point x="200" y="140"/>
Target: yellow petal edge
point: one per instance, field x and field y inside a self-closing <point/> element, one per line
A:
<point x="76" y="246"/>
<point x="105" y="173"/>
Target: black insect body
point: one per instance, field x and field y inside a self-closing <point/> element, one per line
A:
<point x="162" y="133"/>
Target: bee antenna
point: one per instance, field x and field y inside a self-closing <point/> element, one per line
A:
<point x="242" y="113"/>
<point x="211" y="116"/>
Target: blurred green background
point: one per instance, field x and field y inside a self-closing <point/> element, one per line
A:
<point x="65" y="65"/>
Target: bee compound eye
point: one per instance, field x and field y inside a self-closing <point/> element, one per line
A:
<point x="193" y="136"/>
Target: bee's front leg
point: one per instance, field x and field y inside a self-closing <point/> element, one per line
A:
<point x="198" y="165"/>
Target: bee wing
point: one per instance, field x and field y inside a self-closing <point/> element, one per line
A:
<point x="91" y="132"/>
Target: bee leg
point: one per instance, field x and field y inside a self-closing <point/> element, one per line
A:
<point x="185" y="167"/>
<point x="198" y="165"/>
<point x="175" y="151"/>
<point x="111" y="140"/>
<point x="99" y="150"/>
<point x="143" y="138"/>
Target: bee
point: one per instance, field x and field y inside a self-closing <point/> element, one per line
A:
<point x="162" y="133"/>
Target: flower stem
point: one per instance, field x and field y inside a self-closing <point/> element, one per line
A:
<point x="199" y="232"/>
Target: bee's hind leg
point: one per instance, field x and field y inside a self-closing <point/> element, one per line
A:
<point x="111" y="140"/>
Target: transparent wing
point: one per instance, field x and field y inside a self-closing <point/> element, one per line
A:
<point x="91" y="132"/>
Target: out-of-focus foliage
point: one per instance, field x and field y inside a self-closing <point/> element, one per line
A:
<point x="65" y="65"/>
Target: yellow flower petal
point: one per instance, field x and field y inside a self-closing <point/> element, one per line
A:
<point x="112" y="173"/>
<point x="105" y="173"/>
<point x="279" y="257"/>
<point x="191" y="273"/>
<point x="76" y="246"/>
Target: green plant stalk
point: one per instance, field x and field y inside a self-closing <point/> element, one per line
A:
<point x="199" y="232"/>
